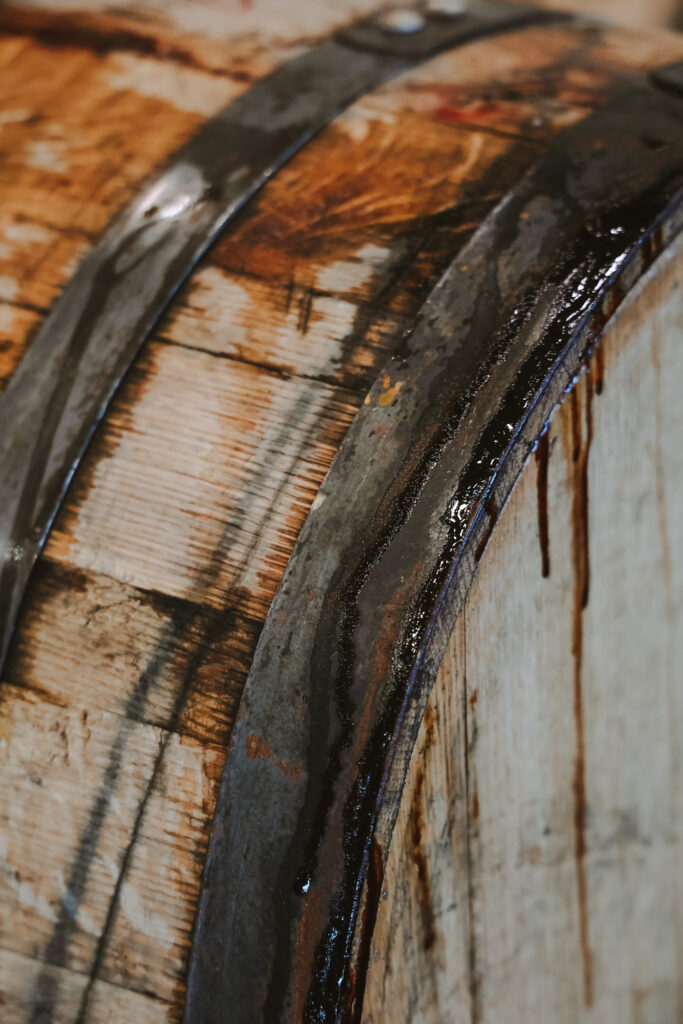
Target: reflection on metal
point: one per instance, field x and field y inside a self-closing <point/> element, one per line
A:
<point x="402" y="20"/>
<point x="356" y="633"/>
<point x="61" y="390"/>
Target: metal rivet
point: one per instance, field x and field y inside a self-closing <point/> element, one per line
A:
<point x="403" y="21"/>
<point x="452" y="8"/>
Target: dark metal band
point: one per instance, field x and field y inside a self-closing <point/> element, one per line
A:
<point x="357" y="631"/>
<point x="66" y="380"/>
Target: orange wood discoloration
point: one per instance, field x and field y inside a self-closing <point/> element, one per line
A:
<point x="17" y="326"/>
<point x="256" y="747"/>
<point x="69" y="161"/>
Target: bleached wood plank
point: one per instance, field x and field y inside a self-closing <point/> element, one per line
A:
<point x="75" y="785"/>
<point x="545" y="880"/>
<point x="110" y="1003"/>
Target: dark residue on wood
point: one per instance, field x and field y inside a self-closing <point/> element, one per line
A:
<point x="356" y="984"/>
<point x="580" y="451"/>
<point x="417" y="836"/>
<point x="542" y="458"/>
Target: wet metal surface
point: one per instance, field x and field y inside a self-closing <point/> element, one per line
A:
<point x="66" y="380"/>
<point x="356" y="633"/>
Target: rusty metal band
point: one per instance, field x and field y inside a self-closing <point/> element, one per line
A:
<point x="84" y="347"/>
<point x="358" y="628"/>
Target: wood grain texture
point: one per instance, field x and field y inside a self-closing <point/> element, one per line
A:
<point x="535" y="869"/>
<point x="19" y="977"/>
<point x="94" y="103"/>
<point x="147" y="605"/>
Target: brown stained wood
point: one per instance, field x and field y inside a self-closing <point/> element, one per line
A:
<point x="542" y="455"/>
<point x="530" y="83"/>
<point x="343" y="245"/>
<point x="18" y="979"/>
<point x="16" y="327"/>
<point x="567" y="70"/>
<point x="94" y="103"/>
<point x="69" y="161"/>
<point x="546" y="776"/>
<point x="325" y="271"/>
<point x="331" y="250"/>
<point x="78" y="619"/>
<point x="147" y="606"/>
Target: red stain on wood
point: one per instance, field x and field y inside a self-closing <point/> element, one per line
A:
<point x="472" y="841"/>
<point x="542" y="457"/>
<point x="599" y="319"/>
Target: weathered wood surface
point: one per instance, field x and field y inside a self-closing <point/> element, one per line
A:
<point x="646" y="13"/>
<point x="145" y="610"/>
<point x="535" y="869"/>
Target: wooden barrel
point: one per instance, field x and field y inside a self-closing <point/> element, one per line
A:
<point x="341" y="591"/>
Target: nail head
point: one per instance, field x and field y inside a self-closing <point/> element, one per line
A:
<point x="402" y="21"/>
